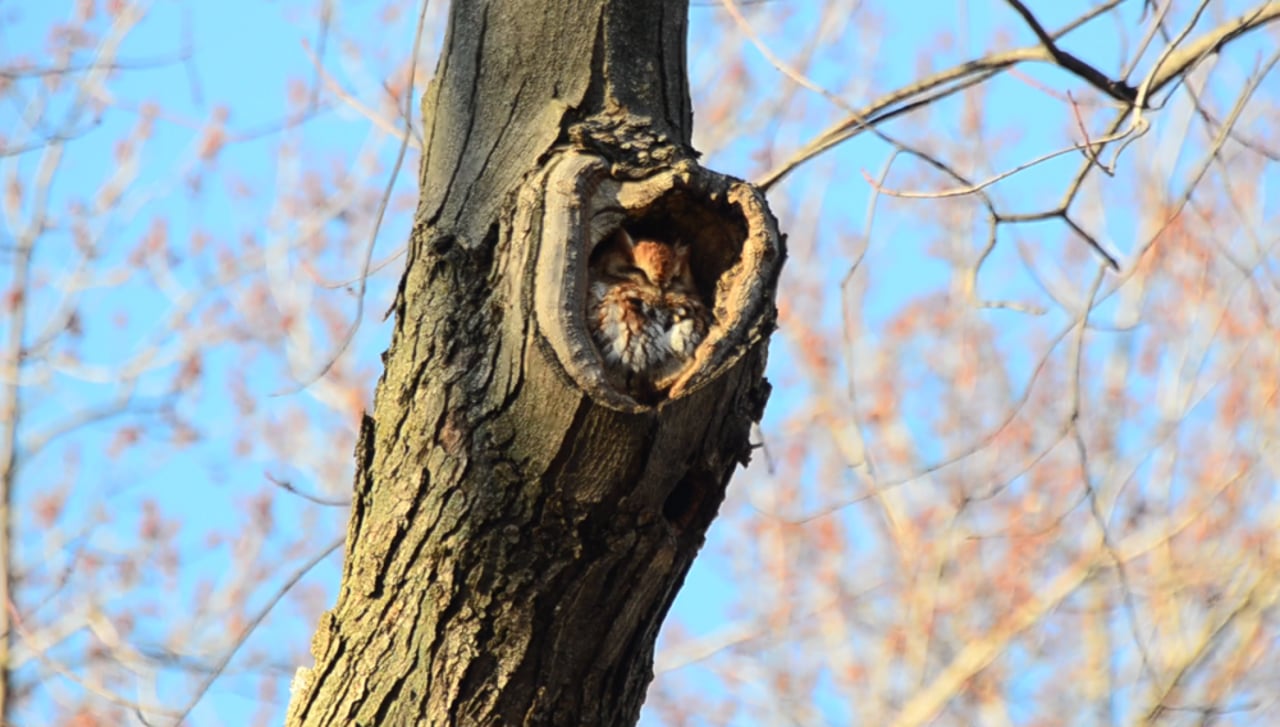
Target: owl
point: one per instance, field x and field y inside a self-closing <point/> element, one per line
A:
<point x="644" y="312"/>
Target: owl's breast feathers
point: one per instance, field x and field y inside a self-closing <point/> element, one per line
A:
<point x="644" y="335"/>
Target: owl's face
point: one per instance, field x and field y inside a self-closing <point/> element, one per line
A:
<point x="646" y="263"/>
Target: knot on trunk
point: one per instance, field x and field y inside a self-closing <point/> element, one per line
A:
<point x="724" y="229"/>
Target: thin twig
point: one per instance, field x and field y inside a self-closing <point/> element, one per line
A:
<point x="1116" y="89"/>
<point x="382" y="209"/>
<point x="252" y="626"/>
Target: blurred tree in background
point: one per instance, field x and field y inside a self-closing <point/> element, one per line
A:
<point x="1020" y="465"/>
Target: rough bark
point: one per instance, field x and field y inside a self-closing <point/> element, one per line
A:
<point x="519" y="529"/>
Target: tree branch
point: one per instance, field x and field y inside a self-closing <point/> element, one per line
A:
<point x="1116" y="89"/>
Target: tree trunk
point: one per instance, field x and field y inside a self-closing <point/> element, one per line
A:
<point x="519" y="528"/>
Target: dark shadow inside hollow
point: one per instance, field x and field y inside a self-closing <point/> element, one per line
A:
<point x="693" y="502"/>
